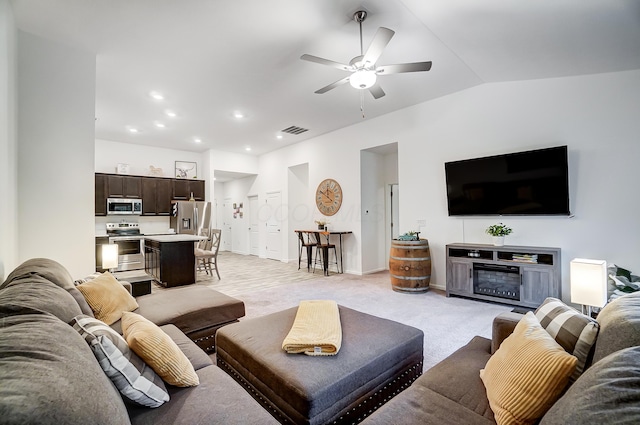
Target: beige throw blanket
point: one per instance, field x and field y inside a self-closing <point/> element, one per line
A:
<point x="316" y="330"/>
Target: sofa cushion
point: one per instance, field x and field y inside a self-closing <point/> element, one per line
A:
<point x="607" y="393"/>
<point x="421" y="405"/>
<point x="132" y="377"/>
<point x="457" y="378"/>
<point x="39" y="294"/>
<point x="217" y="400"/>
<point x="53" y="272"/>
<point x="48" y="375"/>
<point x="158" y="350"/>
<point x="619" y="326"/>
<point x="527" y="374"/>
<point x="191" y="308"/>
<point x="107" y="297"/>
<point x="574" y="331"/>
<point x="195" y="354"/>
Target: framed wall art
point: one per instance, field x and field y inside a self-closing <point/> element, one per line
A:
<point x="186" y="170"/>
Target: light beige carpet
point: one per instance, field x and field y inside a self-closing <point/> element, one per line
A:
<point x="270" y="286"/>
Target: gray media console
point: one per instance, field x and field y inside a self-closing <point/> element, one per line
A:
<point x="518" y="275"/>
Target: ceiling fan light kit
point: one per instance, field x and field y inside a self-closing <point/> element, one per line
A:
<point x="363" y="68"/>
<point x="363" y="79"/>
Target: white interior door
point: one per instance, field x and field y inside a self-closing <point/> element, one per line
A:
<point x="254" y="226"/>
<point x="273" y="225"/>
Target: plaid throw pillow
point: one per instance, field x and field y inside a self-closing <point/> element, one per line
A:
<point x="134" y="379"/>
<point x="574" y="331"/>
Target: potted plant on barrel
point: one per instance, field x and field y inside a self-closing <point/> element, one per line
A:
<point x="499" y="231"/>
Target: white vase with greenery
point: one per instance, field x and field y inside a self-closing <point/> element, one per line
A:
<point x="499" y="231"/>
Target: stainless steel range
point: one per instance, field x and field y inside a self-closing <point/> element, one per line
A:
<point x="130" y="245"/>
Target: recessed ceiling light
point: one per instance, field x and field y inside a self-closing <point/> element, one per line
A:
<point x="133" y="130"/>
<point x="248" y="148"/>
<point x="170" y="113"/>
<point x="156" y="95"/>
<point x="197" y="140"/>
<point x="160" y="124"/>
<point x="279" y="136"/>
<point x="238" y="115"/>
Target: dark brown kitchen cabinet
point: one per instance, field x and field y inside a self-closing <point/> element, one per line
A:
<point x="156" y="192"/>
<point x="124" y="186"/>
<point x="101" y="195"/>
<point x="182" y="189"/>
<point x="156" y="196"/>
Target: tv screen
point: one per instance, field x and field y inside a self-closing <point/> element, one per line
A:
<point x="523" y="183"/>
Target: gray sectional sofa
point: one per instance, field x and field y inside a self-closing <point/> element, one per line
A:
<point x="608" y="392"/>
<point x="49" y="375"/>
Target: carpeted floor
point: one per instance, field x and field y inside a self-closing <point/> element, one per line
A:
<point x="267" y="286"/>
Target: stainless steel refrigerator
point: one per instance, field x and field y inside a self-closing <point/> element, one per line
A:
<point x="188" y="217"/>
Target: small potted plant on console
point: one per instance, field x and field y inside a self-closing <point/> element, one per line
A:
<point x="499" y="231"/>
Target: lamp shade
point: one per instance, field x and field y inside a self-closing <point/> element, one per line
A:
<point x="589" y="282"/>
<point x="109" y="256"/>
<point x="363" y="79"/>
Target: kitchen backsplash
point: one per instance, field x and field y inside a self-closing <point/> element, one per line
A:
<point x="147" y="225"/>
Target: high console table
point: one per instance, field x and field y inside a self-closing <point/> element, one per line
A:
<point x="518" y="275"/>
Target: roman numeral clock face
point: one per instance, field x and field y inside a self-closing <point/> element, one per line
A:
<point x="329" y="197"/>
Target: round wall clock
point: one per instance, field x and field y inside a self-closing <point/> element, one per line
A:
<point x="329" y="197"/>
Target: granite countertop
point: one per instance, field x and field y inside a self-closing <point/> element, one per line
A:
<point x="175" y="238"/>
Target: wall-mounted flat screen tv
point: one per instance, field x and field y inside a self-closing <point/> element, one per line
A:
<point x="524" y="183"/>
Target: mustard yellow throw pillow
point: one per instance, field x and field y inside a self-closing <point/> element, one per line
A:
<point x="527" y="374"/>
<point x="107" y="298"/>
<point x="158" y="350"/>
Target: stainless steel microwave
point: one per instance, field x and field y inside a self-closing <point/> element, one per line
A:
<point x="123" y="206"/>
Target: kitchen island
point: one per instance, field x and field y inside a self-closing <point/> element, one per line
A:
<point x="170" y="259"/>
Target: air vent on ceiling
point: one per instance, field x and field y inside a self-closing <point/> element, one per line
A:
<point x="294" y="130"/>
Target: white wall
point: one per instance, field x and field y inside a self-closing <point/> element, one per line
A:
<point x="8" y="142"/>
<point x="56" y="110"/>
<point x="298" y="208"/>
<point x="373" y="181"/>
<point x="238" y="191"/>
<point x="596" y="116"/>
<point x="140" y="157"/>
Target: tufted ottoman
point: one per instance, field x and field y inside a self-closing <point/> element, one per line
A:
<point x="378" y="359"/>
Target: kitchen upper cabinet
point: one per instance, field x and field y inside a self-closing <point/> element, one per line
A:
<point x="156" y="192"/>
<point x="156" y="196"/>
<point x="124" y="186"/>
<point x="101" y="195"/>
<point x="183" y="188"/>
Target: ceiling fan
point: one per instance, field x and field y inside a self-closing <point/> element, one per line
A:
<point x="364" y="71"/>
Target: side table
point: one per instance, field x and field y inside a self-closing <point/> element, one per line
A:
<point x="140" y="284"/>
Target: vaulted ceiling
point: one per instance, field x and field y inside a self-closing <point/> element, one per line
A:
<point x="211" y="59"/>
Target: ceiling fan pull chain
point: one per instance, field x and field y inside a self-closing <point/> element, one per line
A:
<point x="362" y="102"/>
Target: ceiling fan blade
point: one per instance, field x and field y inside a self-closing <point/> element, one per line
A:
<point x="379" y="42"/>
<point x="332" y="86"/>
<point x="403" y="67"/>
<point x="376" y="91"/>
<point x="327" y="62"/>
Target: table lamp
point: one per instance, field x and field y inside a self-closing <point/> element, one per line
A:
<point x="109" y="256"/>
<point x="588" y="283"/>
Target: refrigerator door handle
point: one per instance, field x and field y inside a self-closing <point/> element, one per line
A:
<point x="195" y="220"/>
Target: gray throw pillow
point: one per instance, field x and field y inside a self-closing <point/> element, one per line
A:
<point x="129" y="373"/>
<point x="607" y="393"/>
